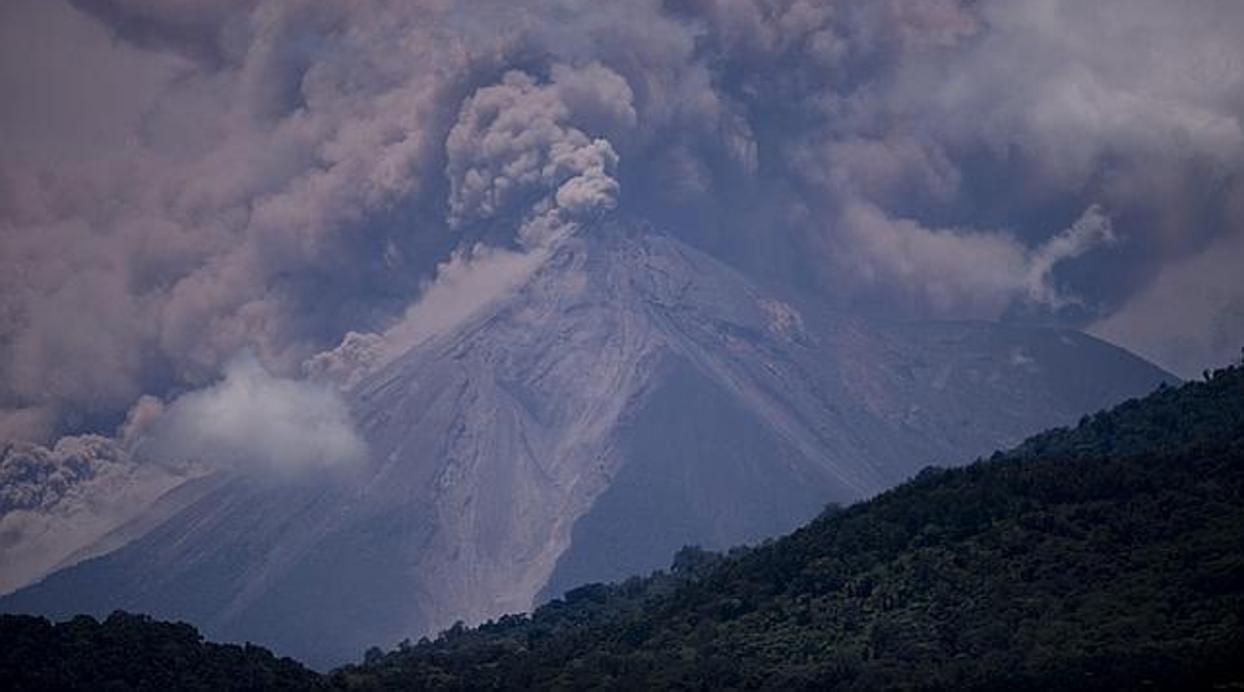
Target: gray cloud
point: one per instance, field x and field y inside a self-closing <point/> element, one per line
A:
<point x="217" y="212"/>
<point x="511" y="144"/>
<point x="181" y="180"/>
<point x="57" y="501"/>
<point x="1191" y="317"/>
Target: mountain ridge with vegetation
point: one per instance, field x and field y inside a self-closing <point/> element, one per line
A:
<point x="1107" y="555"/>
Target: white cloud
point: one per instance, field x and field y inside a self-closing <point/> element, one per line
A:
<point x="251" y="421"/>
<point x="1093" y="229"/>
<point x="465" y="283"/>
<point x="964" y="271"/>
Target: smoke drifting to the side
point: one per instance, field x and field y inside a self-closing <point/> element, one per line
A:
<point x="180" y="181"/>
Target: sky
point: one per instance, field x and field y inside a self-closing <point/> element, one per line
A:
<point x="207" y="201"/>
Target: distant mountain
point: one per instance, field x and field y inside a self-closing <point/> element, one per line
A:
<point x="632" y="396"/>
<point x="1106" y="556"/>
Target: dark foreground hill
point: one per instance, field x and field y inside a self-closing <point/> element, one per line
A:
<point x="126" y="652"/>
<point x="1110" y="555"/>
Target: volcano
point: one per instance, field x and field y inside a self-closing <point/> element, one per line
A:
<point x="631" y="396"/>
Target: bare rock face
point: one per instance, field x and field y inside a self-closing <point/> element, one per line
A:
<point x="632" y="396"/>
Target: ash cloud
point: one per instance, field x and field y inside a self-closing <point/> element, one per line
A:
<point x="56" y="502"/>
<point x="183" y="180"/>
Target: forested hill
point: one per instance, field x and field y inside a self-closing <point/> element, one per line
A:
<point x="134" y="652"/>
<point x="1109" y="555"/>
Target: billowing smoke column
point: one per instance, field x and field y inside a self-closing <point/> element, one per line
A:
<point x="326" y="182"/>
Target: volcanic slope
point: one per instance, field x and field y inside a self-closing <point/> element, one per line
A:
<point x="630" y="396"/>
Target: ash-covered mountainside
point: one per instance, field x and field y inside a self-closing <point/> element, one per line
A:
<point x="632" y="395"/>
<point x="1101" y="557"/>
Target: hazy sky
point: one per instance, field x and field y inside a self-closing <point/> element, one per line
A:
<point x="183" y="180"/>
